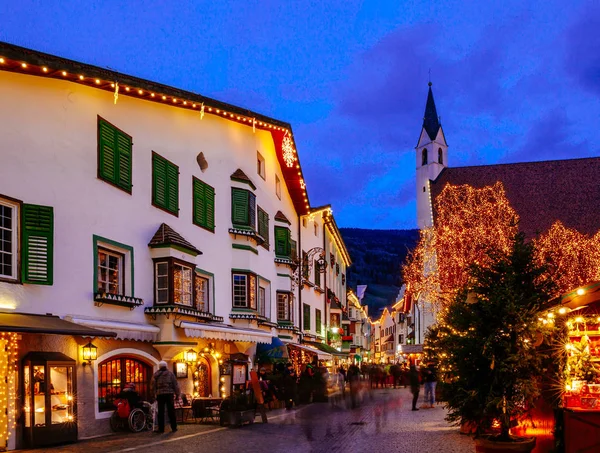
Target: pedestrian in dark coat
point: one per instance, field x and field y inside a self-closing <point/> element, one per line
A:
<point x="415" y="385"/>
<point x="166" y="389"/>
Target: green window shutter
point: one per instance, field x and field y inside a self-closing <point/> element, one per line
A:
<point x="318" y="320"/>
<point x="239" y="207"/>
<point x="172" y="188"/>
<point x="293" y="249"/>
<point x="263" y="226"/>
<point x="38" y="244"/>
<point x="282" y="241"/>
<point x="317" y="273"/>
<point x="306" y="317"/>
<point x="115" y="154"/>
<point x="124" y="161"/>
<point x="204" y="205"/>
<point x="252" y="210"/>
<point x="165" y="187"/>
<point x="209" y="197"/>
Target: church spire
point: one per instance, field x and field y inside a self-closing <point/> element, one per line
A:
<point x="431" y="122"/>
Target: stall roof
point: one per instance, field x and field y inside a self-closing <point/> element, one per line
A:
<point x="325" y="348"/>
<point x="30" y="323"/>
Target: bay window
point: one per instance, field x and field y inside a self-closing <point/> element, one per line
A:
<point x="177" y="283"/>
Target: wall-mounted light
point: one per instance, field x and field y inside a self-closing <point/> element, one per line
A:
<point x="190" y="356"/>
<point x="90" y="353"/>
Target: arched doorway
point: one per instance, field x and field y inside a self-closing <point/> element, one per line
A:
<point x="202" y="379"/>
<point x="115" y="372"/>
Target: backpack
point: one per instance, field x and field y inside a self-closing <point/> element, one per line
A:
<point x="123" y="408"/>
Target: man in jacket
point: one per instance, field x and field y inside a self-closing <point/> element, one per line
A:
<point x="166" y="389"/>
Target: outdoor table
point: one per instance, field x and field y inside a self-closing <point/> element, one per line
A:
<point x="210" y="407"/>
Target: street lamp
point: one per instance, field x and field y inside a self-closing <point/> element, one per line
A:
<point x="90" y="353"/>
<point x="190" y="356"/>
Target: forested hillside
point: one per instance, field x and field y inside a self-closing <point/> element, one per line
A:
<point x="376" y="259"/>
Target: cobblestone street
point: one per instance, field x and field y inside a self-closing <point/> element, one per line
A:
<point x="383" y="422"/>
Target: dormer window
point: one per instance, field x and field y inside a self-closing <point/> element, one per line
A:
<point x="424" y="156"/>
<point x="440" y="156"/>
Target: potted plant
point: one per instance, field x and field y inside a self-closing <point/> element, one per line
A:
<point x="237" y="409"/>
<point x="489" y="363"/>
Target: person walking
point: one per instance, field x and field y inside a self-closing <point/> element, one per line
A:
<point x="430" y="378"/>
<point x="415" y="385"/>
<point x="166" y="388"/>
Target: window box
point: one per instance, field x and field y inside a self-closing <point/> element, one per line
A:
<point x="181" y="310"/>
<point x="102" y="298"/>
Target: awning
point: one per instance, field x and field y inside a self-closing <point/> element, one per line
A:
<point x="29" y="323"/>
<point x="320" y="354"/>
<point x="276" y="350"/>
<point x="223" y="332"/>
<point x="326" y="348"/>
<point x="123" y="330"/>
<point x="388" y="339"/>
<point x="411" y="349"/>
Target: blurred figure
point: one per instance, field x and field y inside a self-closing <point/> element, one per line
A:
<point x="354" y="380"/>
<point x="306" y="385"/>
<point x="430" y="380"/>
<point x="415" y="385"/>
<point x="341" y="378"/>
<point x="320" y="385"/>
<point x="396" y="373"/>
<point x="290" y="386"/>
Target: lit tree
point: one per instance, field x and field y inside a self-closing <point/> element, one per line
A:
<point x="572" y="258"/>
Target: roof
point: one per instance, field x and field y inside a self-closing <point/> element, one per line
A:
<point x="540" y="192"/>
<point x="431" y="122"/>
<point x="166" y="236"/>
<point x="280" y="216"/>
<point x="239" y="175"/>
<point x="337" y="236"/>
<point x="30" y="323"/>
<point x="325" y="348"/>
<point x="34" y="63"/>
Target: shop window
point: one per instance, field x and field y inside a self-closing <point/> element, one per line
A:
<point x="244" y="290"/>
<point x="113" y="374"/>
<point x="284" y="307"/>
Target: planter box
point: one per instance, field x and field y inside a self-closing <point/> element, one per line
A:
<point x="236" y="418"/>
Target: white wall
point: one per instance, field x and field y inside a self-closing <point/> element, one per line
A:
<point x="49" y="157"/>
<point x="310" y="295"/>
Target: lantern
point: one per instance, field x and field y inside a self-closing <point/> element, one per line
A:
<point x="190" y="356"/>
<point x="90" y="353"/>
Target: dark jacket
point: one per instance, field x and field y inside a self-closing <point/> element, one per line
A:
<point x="413" y="375"/>
<point x="164" y="382"/>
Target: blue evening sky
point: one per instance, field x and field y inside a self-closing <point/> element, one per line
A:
<point x="513" y="81"/>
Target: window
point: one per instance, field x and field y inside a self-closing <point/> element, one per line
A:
<point x="318" y="326"/>
<point x="165" y="184"/>
<point x="203" y="205"/>
<point x="113" y="374"/>
<point x="304" y="222"/>
<point x="316" y="229"/>
<point x="283" y="247"/>
<point x="424" y="156"/>
<point x="110" y="272"/>
<point x="440" y="156"/>
<point x="277" y="187"/>
<point x="262" y="300"/>
<point x="284" y="306"/>
<point x="305" y="266"/>
<point x="400" y="338"/>
<point x="9" y="221"/>
<point x="114" y="155"/>
<point x="244" y="290"/>
<point x="263" y="227"/>
<point x="260" y="165"/>
<point x="182" y="284"/>
<point x="306" y="316"/>
<point x="202" y="292"/>
<point x="243" y="208"/>
<point x="317" y="273"/>
<point x="178" y="283"/>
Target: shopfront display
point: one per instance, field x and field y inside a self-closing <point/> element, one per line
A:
<point x="49" y="406"/>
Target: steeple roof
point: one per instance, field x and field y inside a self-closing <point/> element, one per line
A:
<point x="431" y="123"/>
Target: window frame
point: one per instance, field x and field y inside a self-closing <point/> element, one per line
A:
<point x="171" y="263"/>
<point x="261" y="166"/>
<point x="121" y="270"/>
<point x="288" y="306"/>
<point x="306" y="317"/>
<point x="17" y="207"/>
<point x="207" y="292"/>
<point x="145" y="387"/>
<point x="128" y="285"/>
<point x="250" y="286"/>
<point x="277" y="187"/>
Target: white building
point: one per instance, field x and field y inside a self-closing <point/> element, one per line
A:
<point x="163" y="219"/>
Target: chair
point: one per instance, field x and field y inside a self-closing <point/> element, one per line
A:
<point x="183" y="406"/>
<point x="203" y="412"/>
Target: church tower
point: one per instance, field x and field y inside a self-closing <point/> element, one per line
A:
<point x="432" y="158"/>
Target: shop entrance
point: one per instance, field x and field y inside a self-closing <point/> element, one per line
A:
<point x="49" y="388"/>
<point x="202" y="387"/>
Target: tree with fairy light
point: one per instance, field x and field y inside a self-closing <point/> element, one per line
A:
<point x="490" y="364"/>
